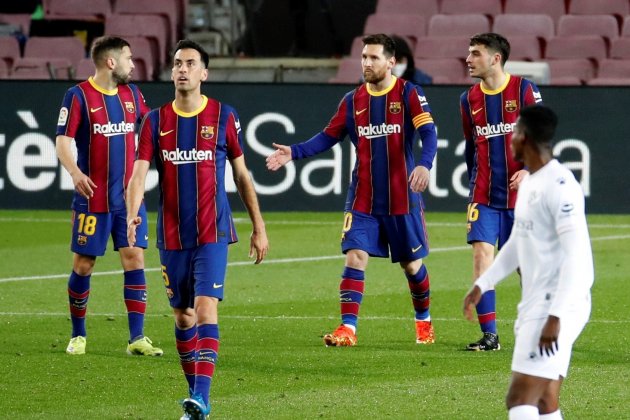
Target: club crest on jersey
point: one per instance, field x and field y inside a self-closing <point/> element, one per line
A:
<point x="129" y="107"/>
<point x="394" y="107"/>
<point x="82" y="240"/>
<point x="510" y="105"/>
<point x="207" y="132"/>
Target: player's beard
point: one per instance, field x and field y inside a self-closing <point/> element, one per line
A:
<point x="374" y="77"/>
<point x="121" y="78"/>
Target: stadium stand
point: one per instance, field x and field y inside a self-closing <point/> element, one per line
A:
<point x="15" y="23"/>
<point x="510" y="25"/>
<point x="552" y="8"/>
<point x="153" y="27"/>
<point x="349" y="71"/>
<point x="168" y="9"/>
<point x="409" y="25"/>
<point x="9" y="51"/>
<point x="571" y="71"/>
<point x="527" y="48"/>
<point x="620" y="48"/>
<point x="442" y="47"/>
<point x="619" y="8"/>
<point x="77" y="10"/>
<point x="426" y="8"/>
<point x="445" y="71"/>
<point x="458" y="7"/>
<point x="578" y="46"/>
<point x="602" y="25"/>
<point x="453" y="25"/>
<point x="68" y="47"/>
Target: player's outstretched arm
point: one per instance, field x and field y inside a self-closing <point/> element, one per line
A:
<point x="279" y="158"/>
<point x="82" y="183"/>
<point x="135" y="193"/>
<point x="259" y="244"/>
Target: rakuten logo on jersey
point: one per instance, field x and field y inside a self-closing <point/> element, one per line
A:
<point x="180" y="157"/>
<point x="494" y="130"/>
<point x="374" y="131"/>
<point x="111" y="129"/>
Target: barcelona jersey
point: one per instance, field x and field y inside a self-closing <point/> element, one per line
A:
<point x="190" y="152"/>
<point x="383" y="127"/>
<point x="488" y="119"/>
<point x="103" y="125"/>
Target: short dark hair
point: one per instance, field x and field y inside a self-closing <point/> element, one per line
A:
<point x="389" y="46"/>
<point x="189" y="44"/>
<point x="104" y="44"/>
<point x="539" y="123"/>
<point x="494" y="42"/>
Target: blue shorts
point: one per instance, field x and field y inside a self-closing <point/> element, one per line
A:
<point x="91" y="231"/>
<point x="378" y="235"/>
<point x="194" y="272"/>
<point x="489" y="224"/>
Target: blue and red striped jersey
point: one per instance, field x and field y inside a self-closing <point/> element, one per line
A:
<point x="383" y="127"/>
<point x="488" y="119"/>
<point x="190" y="152"/>
<point x="103" y="125"/>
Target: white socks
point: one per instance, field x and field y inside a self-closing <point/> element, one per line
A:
<point x="523" y="412"/>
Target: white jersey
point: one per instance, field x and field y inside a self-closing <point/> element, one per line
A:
<point x="551" y="245"/>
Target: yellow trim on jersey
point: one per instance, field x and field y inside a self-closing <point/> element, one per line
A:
<point x="181" y="113"/>
<point x="500" y="89"/>
<point x="422" y="119"/>
<point x="384" y="91"/>
<point x="100" y="89"/>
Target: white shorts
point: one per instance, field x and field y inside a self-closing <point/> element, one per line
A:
<point x="527" y="359"/>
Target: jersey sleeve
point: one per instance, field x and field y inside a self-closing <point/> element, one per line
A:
<point x="423" y="122"/>
<point x="234" y="136"/>
<point x="148" y="136"/>
<point x="70" y="114"/>
<point x="531" y="94"/>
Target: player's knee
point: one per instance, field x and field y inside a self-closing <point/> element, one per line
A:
<point x="83" y="264"/>
<point x="357" y="259"/>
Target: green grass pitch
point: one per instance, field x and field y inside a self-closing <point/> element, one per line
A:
<point x="272" y="363"/>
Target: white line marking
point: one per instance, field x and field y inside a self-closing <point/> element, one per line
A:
<point x="270" y="261"/>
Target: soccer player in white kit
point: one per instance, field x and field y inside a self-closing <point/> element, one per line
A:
<point x="551" y="245"/>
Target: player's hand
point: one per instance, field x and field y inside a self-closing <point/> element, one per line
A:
<point x="259" y="246"/>
<point x="419" y="179"/>
<point x="83" y="184"/>
<point x="471" y="300"/>
<point x="132" y="224"/>
<point x="549" y="336"/>
<point x="516" y="179"/>
<point x="279" y="158"/>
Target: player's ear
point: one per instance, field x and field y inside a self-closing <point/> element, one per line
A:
<point x="204" y="75"/>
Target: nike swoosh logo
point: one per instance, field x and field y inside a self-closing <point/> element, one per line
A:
<point x="163" y="133"/>
<point x="361" y="111"/>
<point x="416" y="248"/>
<point x="146" y="237"/>
<point x="476" y="111"/>
<point x="96" y="109"/>
<point x="216" y="286"/>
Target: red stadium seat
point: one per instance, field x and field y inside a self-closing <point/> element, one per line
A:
<point x="357" y="47"/>
<point x="619" y="8"/>
<point x="609" y="81"/>
<point x="77" y="10"/>
<point x="587" y="46"/>
<point x="153" y="27"/>
<point x="349" y="71"/>
<point x="444" y="71"/>
<point x="442" y="47"/>
<point x="553" y="8"/>
<point x="409" y="25"/>
<point x="31" y="68"/>
<point x="454" y="25"/>
<point x="85" y="69"/>
<point x="620" y="48"/>
<point x="9" y="50"/>
<point x="573" y="71"/>
<point x="167" y="8"/>
<point x="525" y="48"/>
<point x="426" y="8"/>
<point x="141" y="49"/>
<point x="510" y="25"/>
<point x="612" y="68"/>
<point x="68" y="47"/>
<point x="21" y="21"/>
<point x="4" y="70"/>
<point x="625" y="27"/>
<point x="458" y="7"/>
<point x="602" y="25"/>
